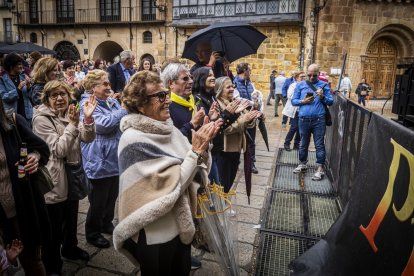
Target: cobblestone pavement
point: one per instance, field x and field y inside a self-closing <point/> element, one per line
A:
<point x="106" y="262"/>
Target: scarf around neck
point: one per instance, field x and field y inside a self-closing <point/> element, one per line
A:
<point x="190" y="104"/>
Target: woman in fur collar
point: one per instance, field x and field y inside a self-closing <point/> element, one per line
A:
<point x="157" y="193"/>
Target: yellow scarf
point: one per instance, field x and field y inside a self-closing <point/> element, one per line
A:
<point x="178" y="100"/>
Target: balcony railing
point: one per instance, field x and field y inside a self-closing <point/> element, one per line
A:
<point x="198" y="9"/>
<point x="90" y="16"/>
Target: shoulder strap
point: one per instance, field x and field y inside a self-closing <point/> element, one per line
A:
<point x="310" y="85"/>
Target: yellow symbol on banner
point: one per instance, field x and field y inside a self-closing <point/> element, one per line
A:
<point x="406" y="210"/>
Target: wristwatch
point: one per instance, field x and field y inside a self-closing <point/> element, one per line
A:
<point x="200" y="158"/>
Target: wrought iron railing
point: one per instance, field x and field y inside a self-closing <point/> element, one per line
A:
<point x="228" y="8"/>
<point x="90" y="16"/>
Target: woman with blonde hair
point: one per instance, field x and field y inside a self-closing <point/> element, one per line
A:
<point x="57" y="122"/>
<point x="100" y="158"/>
<point x="234" y="135"/>
<point x="45" y="69"/>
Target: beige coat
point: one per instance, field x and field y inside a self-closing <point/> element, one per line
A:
<point x="234" y="135"/>
<point x="64" y="143"/>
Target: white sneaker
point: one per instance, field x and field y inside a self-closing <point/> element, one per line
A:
<point x="318" y="175"/>
<point x="300" y="168"/>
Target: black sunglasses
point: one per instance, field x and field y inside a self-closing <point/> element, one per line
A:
<point x="162" y="95"/>
<point x="310" y="76"/>
<point x="186" y="78"/>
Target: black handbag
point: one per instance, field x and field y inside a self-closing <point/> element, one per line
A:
<point x="79" y="185"/>
<point x="328" y="117"/>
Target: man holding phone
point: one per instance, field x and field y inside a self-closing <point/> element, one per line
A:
<point x="312" y="119"/>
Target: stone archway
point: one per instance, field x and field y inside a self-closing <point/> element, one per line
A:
<point x="107" y="50"/>
<point x="387" y="47"/>
<point x="65" y="50"/>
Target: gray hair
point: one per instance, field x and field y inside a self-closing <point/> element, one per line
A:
<point x="171" y="73"/>
<point x="314" y="67"/>
<point x="124" y="55"/>
<point x="218" y="88"/>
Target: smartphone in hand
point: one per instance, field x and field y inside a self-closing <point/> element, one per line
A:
<point x="309" y="94"/>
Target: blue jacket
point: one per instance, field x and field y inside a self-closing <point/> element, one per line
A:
<point x="245" y="87"/>
<point x="286" y="85"/>
<point x="100" y="157"/>
<point x="10" y="96"/>
<point x="315" y="108"/>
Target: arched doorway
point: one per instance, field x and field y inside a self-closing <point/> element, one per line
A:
<point x="379" y="68"/>
<point x="107" y="50"/>
<point x="66" y="50"/>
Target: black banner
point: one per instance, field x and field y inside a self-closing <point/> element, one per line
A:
<point x="374" y="235"/>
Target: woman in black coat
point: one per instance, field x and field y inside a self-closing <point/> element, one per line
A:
<point x="23" y="213"/>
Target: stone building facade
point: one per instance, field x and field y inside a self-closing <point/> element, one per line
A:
<point x="376" y="35"/>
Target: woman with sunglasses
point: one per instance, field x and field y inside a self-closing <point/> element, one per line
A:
<point x="100" y="159"/>
<point x="157" y="188"/>
<point x="57" y="122"/>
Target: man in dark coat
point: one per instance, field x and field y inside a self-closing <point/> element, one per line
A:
<point x="119" y="73"/>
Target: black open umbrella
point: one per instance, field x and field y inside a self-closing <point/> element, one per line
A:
<point x="235" y="39"/>
<point x="25" y="47"/>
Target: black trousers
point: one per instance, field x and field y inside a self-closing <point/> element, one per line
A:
<point x="64" y="223"/>
<point x="293" y="132"/>
<point x="102" y="200"/>
<point x="228" y="164"/>
<point x="170" y="258"/>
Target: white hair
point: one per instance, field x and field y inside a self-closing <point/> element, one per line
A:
<point x="124" y="55"/>
<point x="171" y="73"/>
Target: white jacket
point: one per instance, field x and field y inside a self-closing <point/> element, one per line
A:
<point x="289" y="109"/>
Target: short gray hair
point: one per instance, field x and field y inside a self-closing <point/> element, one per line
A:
<point x="171" y="73"/>
<point x="124" y="55"/>
<point x="314" y="67"/>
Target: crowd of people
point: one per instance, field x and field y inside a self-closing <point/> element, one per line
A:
<point x="145" y="138"/>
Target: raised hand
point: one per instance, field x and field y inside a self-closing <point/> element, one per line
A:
<point x="242" y="106"/>
<point x="198" y="118"/>
<point x="232" y="107"/>
<point x="252" y="114"/>
<point x="73" y="115"/>
<point x="89" y="107"/>
<point x="13" y="250"/>
<point x="202" y="137"/>
<point x="214" y="112"/>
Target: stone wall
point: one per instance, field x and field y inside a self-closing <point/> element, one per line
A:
<point x="351" y="26"/>
<point x="280" y="51"/>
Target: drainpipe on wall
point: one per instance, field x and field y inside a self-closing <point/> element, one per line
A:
<point x="131" y="36"/>
<point x="41" y="22"/>
<point x="302" y="33"/>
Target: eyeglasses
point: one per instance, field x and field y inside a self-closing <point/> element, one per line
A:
<point x="186" y="79"/>
<point x="54" y="96"/>
<point x="105" y="83"/>
<point x="162" y="95"/>
<point x="310" y="76"/>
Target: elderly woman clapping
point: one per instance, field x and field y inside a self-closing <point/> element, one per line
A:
<point x="157" y="165"/>
<point x="56" y="121"/>
<point x="100" y="157"/>
<point x="234" y="135"/>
